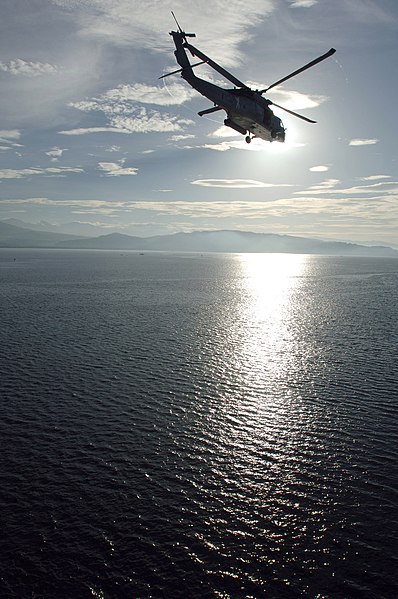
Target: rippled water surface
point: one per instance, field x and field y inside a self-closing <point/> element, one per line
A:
<point x="198" y="426"/>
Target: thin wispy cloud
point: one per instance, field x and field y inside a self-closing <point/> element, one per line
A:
<point x="9" y="137"/>
<point x="27" y="68"/>
<point x="116" y="169"/>
<point x="291" y="99"/>
<point x="182" y="137"/>
<point x="123" y="22"/>
<point x="375" y="177"/>
<point x="324" y="186"/>
<point x="303" y="3"/>
<point x="55" y="153"/>
<point x="381" y="189"/>
<point x="363" y="142"/>
<point x="85" y="130"/>
<point x="224" y="131"/>
<point x="89" y="204"/>
<point x="10" y="173"/>
<point x="165" y="95"/>
<point x="234" y="183"/>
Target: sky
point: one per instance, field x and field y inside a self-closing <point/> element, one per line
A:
<point x="89" y="134"/>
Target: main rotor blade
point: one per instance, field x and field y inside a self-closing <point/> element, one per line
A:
<point x="300" y="116"/>
<point x="304" y="68"/>
<point x="215" y="66"/>
<point x="177" y="23"/>
<point x="179" y="70"/>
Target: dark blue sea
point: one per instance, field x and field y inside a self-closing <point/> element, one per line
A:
<point x="198" y="426"/>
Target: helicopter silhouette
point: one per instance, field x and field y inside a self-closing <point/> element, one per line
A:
<point x="248" y="112"/>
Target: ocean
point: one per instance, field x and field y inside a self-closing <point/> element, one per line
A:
<point x="198" y="425"/>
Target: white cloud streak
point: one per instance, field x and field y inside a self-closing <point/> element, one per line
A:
<point x="375" y="177"/>
<point x="384" y="189"/>
<point x="27" y="68"/>
<point x="303" y="3"/>
<point x="10" y="173"/>
<point x="116" y="169"/>
<point x="234" y="183"/>
<point x="363" y="142"/>
<point x="319" y="169"/>
<point x="85" y="130"/>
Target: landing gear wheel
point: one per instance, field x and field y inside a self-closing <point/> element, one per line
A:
<point x="248" y="139"/>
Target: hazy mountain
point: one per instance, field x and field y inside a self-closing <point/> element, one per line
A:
<point x="72" y="228"/>
<point x="12" y="236"/>
<point x="113" y="241"/>
<point x="198" y="241"/>
<point x="229" y="241"/>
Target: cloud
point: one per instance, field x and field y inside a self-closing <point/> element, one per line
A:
<point x="182" y="136"/>
<point x="55" y="153"/>
<point x="319" y="169"/>
<point x="123" y="22"/>
<point x="228" y="145"/>
<point x="302" y="3"/>
<point x="85" y="130"/>
<point x="27" y="68"/>
<point x="89" y="204"/>
<point x="380" y="190"/>
<point x="150" y="121"/>
<point x="116" y="169"/>
<point x="127" y="118"/>
<point x="10" y="134"/>
<point x="10" y="173"/>
<point x="8" y="137"/>
<point x="234" y="183"/>
<point x="322" y="187"/>
<point x="375" y="177"/>
<point x="363" y="142"/>
<point x="224" y="131"/>
<point x="167" y="95"/>
<point x="294" y="100"/>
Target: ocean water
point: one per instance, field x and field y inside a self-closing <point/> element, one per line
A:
<point x="198" y="426"/>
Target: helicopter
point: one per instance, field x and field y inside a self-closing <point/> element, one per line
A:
<point x="248" y="112"/>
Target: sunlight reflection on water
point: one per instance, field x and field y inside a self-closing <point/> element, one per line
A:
<point x="271" y="283"/>
<point x="259" y="409"/>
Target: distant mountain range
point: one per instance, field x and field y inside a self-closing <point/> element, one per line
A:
<point x="13" y="236"/>
<point x="72" y="228"/>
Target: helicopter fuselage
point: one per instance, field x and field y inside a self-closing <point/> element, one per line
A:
<point x="247" y="111"/>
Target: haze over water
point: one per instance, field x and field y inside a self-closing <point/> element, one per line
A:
<point x="187" y="425"/>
